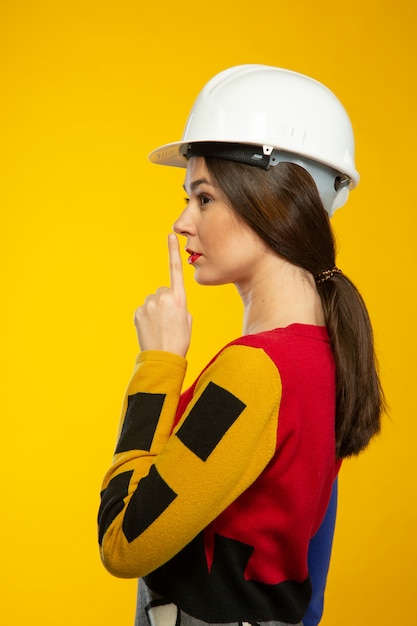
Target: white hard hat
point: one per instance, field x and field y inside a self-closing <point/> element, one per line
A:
<point x="282" y="116"/>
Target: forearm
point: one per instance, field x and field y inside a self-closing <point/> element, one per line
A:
<point x="146" y="423"/>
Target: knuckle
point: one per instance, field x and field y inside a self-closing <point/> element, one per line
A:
<point x="137" y="315"/>
<point x="164" y="298"/>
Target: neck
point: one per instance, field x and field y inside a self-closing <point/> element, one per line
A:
<point x="282" y="295"/>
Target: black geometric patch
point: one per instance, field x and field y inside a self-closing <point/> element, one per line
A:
<point x="210" y="418"/>
<point x="209" y="595"/>
<point x="150" y="499"/>
<point x="142" y="415"/>
<point x="112" y="501"/>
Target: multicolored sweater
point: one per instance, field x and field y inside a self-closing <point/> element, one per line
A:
<point x="215" y="493"/>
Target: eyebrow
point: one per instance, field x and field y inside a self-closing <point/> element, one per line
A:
<point x="196" y="183"/>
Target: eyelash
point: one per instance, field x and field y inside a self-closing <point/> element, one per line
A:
<point x="203" y="199"/>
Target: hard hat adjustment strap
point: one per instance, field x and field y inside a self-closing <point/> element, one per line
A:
<point x="259" y="156"/>
<point x="239" y="153"/>
<point x="263" y="156"/>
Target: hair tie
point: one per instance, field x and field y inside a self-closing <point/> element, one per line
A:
<point x="323" y="276"/>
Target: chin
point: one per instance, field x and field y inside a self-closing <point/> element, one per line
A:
<point x="208" y="281"/>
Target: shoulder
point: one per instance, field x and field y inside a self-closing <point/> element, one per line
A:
<point x="295" y="348"/>
<point x="236" y="402"/>
<point x="238" y="371"/>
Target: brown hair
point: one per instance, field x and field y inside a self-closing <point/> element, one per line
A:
<point x="283" y="207"/>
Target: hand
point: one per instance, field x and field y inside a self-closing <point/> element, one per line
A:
<point x="163" y="322"/>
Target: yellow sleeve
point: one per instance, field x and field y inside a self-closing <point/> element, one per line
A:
<point x="162" y="498"/>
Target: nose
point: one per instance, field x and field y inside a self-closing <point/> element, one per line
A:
<point x="184" y="224"/>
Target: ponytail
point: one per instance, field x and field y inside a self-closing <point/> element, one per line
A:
<point x="359" y="397"/>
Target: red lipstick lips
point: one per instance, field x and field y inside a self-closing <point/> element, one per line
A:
<point x="194" y="256"/>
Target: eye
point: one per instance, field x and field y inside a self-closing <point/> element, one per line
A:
<point x="204" y="199"/>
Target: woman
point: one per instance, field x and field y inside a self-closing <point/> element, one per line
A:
<point x="215" y="492"/>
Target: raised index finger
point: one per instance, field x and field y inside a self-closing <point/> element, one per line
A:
<point x="175" y="266"/>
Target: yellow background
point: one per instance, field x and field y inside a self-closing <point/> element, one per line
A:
<point x="88" y="88"/>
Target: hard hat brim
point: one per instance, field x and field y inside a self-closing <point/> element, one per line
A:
<point x="170" y="154"/>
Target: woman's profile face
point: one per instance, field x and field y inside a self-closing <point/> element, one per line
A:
<point x="221" y="247"/>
